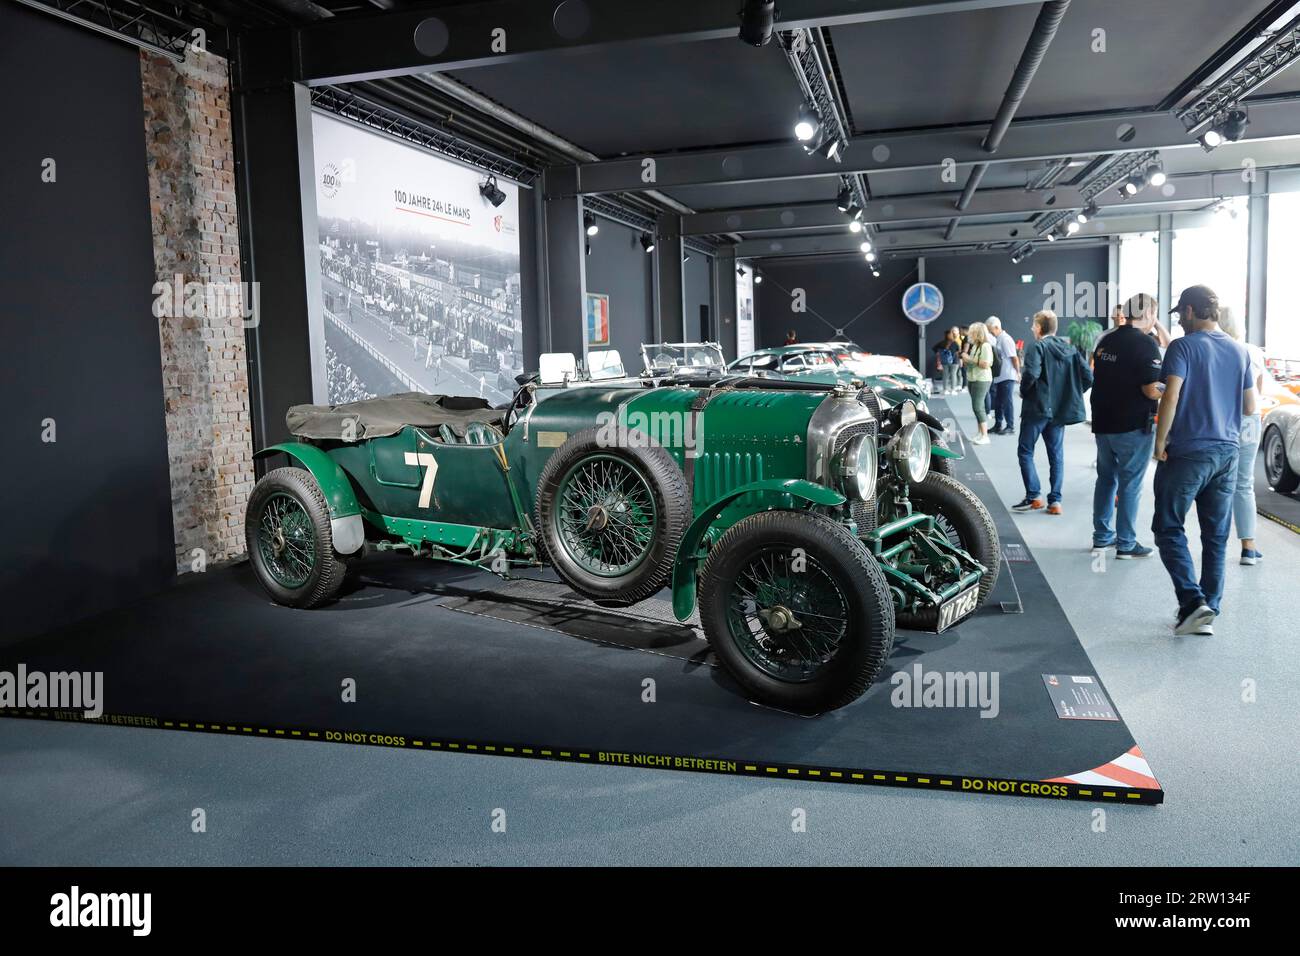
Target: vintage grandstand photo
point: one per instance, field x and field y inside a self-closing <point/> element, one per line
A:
<point x="419" y="271"/>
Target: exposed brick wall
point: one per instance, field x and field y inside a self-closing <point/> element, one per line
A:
<point x="195" y="233"/>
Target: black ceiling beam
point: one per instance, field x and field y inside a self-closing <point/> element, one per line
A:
<point x="1200" y="187"/>
<point x="909" y="239"/>
<point x="421" y="40"/>
<point x="886" y="209"/>
<point x="1026" y="141"/>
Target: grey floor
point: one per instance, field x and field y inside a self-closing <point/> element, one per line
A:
<point x="75" y="795"/>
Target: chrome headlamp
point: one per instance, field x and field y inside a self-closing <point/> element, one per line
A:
<point x="911" y="452"/>
<point x="856" y="468"/>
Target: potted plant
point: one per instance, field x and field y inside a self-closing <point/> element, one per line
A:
<point x="1083" y="335"/>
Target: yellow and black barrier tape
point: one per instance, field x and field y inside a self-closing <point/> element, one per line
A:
<point x="951" y="783"/>
<point x="1278" y="519"/>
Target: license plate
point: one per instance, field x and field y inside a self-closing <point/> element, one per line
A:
<point x="957" y="607"/>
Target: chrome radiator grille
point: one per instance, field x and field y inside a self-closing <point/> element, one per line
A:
<point x="864" y="512"/>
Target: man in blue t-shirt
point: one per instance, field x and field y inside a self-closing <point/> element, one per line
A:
<point x="1208" y="388"/>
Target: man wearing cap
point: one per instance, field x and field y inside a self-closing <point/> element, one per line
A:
<point x="1208" y="389"/>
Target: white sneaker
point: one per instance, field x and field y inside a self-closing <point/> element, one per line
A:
<point x="980" y="440"/>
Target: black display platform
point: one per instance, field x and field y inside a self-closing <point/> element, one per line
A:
<point x="1283" y="509"/>
<point x="442" y="662"/>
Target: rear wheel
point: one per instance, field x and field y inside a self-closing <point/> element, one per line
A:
<point x="961" y="517"/>
<point x="1277" y="470"/>
<point x="289" y="539"/>
<point x="797" y="610"/>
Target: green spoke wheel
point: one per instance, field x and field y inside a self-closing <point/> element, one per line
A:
<point x="290" y="539"/>
<point x="607" y="515"/>
<point x="797" y="610"/>
<point x="787" y="614"/>
<point x="287" y="540"/>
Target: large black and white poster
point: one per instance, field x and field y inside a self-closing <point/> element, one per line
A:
<point x="419" y="271"/>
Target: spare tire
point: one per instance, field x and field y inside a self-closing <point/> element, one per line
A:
<point x="610" y="517"/>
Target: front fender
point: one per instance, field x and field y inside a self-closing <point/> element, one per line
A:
<point x="346" y="523"/>
<point x="688" y="556"/>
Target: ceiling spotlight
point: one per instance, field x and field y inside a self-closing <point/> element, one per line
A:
<point x="1072" y="226"/>
<point x="490" y="191"/>
<point x="647" y="242"/>
<point x="1210" y="139"/>
<point x="589" y="224"/>
<point x="871" y="257"/>
<point x="1133" y="186"/>
<point x="1092" y="210"/>
<point x="1234" y="125"/>
<point x="588" y="245"/>
<point x="1156" y="175"/>
<point x="875" y="270"/>
<point x="756" y="19"/>
<point x="807" y="124"/>
<point x="831" y="149"/>
<point x="1051" y="236"/>
<point x="844" y="200"/>
<point x="758" y="277"/>
<point x="1082" y="217"/>
<point x="866" y="245"/>
<point x="855" y="225"/>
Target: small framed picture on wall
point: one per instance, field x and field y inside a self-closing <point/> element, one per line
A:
<point x="597" y="319"/>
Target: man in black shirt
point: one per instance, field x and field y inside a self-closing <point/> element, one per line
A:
<point x="1125" y="390"/>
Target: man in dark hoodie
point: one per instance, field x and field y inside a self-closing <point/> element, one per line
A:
<point x="1051" y="388"/>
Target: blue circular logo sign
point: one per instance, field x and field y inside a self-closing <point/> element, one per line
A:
<point x="923" y="303"/>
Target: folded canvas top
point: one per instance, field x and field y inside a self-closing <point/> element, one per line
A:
<point x="387" y="415"/>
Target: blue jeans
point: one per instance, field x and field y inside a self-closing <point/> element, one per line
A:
<point x="1004" y="406"/>
<point x="1243" y="499"/>
<point x="1054" y="438"/>
<point x="1122" y="461"/>
<point x="1206" y="477"/>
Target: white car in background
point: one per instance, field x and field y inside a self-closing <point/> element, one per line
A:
<point x="874" y="365"/>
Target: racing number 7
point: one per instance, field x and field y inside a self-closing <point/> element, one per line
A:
<point x="424" y="460"/>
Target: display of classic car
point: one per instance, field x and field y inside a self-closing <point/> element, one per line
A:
<point x="1280" y="445"/>
<point x="802" y="520"/>
<point x="835" y="363"/>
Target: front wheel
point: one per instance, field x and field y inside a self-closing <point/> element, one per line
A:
<point x="797" y="610"/>
<point x="1277" y="470"/>
<point x="961" y="517"/>
<point x="290" y="541"/>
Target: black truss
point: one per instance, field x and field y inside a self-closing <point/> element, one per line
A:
<point x="358" y="109"/>
<point x="617" y="212"/>
<point x="166" y="28"/>
<point x="1278" y="52"/>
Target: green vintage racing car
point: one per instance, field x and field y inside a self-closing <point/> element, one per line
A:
<point x="803" y="521"/>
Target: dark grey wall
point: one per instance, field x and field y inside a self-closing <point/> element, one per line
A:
<point x="838" y="294"/>
<point x="88" y="517"/>
<point x="842" y="293"/>
<point x="619" y="268"/>
<point x="975" y="287"/>
<point x="697" y="290"/>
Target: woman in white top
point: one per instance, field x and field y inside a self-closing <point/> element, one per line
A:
<point x="1243" y="501"/>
